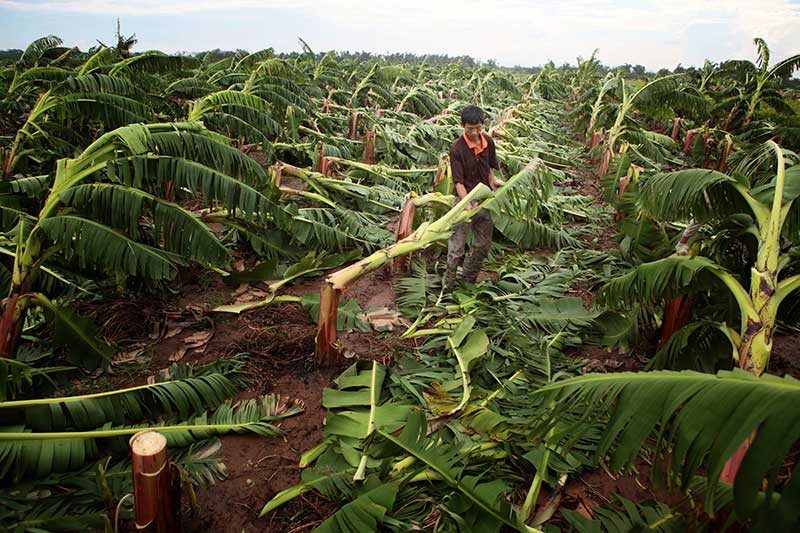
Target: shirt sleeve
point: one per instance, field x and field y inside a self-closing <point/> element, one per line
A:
<point x="493" y="155"/>
<point x="456" y="165"/>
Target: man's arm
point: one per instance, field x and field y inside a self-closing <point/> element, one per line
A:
<point x="457" y="168"/>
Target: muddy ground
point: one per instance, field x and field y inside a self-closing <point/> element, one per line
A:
<point x="280" y="341"/>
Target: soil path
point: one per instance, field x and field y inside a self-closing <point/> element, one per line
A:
<point x="280" y="342"/>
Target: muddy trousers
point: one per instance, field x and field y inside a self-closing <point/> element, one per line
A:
<point x="482" y="228"/>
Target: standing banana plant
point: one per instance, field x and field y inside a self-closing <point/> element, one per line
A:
<point x="771" y="205"/>
<point x="761" y="74"/>
<point x="658" y="93"/>
<point x="97" y="210"/>
<point x="683" y="194"/>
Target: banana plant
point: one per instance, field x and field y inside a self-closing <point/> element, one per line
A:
<point x="771" y="205"/>
<point x="66" y="104"/>
<point x="657" y="93"/>
<point x="761" y="75"/>
<point x="26" y="452"/>
<point x="114" y="101"/>
<point x="86" y="499"/>
<point x="695" y="420"/>
<point x="54" y="435"/>
<point x="92" y="214"/>
<point x="361" y="429"/>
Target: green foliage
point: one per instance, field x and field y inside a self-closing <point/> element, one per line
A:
<point x="350" y="316"/>
<point x="703" y="346"/>
<point x="627" y="516"/>
<point x="25" y="452"/>
<point x="700" y="419"/>
<point x="651" y="282"/>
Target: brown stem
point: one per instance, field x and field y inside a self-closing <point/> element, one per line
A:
<point x="10" y="324"/>
<point x="726" y="152"/>
<point x="153" y="483"/>
<point x="676" y="315"/>
<point x="707" y="142"/>
<point x="596" y="139"/>
<point x="676" y="124"/>
<point x="324" y="163"/>
<point x="405" y="227"/>
<point x="616" y="214"/>
<point x="604" y="163"/>
<point x="8" y="162"/>
<point x="731" y="468"/>
<point x="369" y="148"/>
<point x="440" y="172"/>
<point x="687" y="142"/>
<point x="328" y="352"/>
<point x="354" y="125"/>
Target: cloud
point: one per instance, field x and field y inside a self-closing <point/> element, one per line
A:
<point x="654" y="33"/>
<point x="525" y="32"/>
<point x="145" y="7"/>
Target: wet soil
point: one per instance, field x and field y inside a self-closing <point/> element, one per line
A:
<point x="280" y="342"/>
<point x="259" y="468"/>
<point x="785" y="358"/>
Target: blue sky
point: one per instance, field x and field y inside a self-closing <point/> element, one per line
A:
<point x="653" y="33"/>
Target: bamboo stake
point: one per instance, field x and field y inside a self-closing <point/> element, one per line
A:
<point x="153" y="484"/>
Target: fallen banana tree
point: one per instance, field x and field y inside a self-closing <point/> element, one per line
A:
<point x="405" y="226"/>
<point x="328" y="351"/>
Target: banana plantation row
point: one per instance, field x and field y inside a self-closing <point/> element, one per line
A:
<point x="122" y="175"/>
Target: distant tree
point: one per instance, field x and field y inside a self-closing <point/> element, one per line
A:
<point x="10" y="55"/>
<point x="124" y="44"/>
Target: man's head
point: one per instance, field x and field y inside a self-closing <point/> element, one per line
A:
<point x="472" y="118"/>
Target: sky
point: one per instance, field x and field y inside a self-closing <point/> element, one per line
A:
<point x="653" y="33"/>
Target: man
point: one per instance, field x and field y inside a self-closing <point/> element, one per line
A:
<point x="473" y="159"/>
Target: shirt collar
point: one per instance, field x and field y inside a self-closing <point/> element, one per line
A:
<point x="477" y="148"/>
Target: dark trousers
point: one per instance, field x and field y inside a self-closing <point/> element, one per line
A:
<point x="482" y="228"/>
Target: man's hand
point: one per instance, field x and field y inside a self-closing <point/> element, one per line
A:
<point x="494" y="183"/>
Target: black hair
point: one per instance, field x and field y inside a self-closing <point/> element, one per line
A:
<point x="472" y="114"/>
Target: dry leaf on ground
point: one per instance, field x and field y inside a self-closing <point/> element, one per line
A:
<point x="127" y="356"/>
<point x="162" y="375"/>
<point x="199" y="339"/>
<point x="384" y="319"/>
<point x="602" y="366"/>
<point x="250" y="295"/>
<point x="178" y="355"/>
